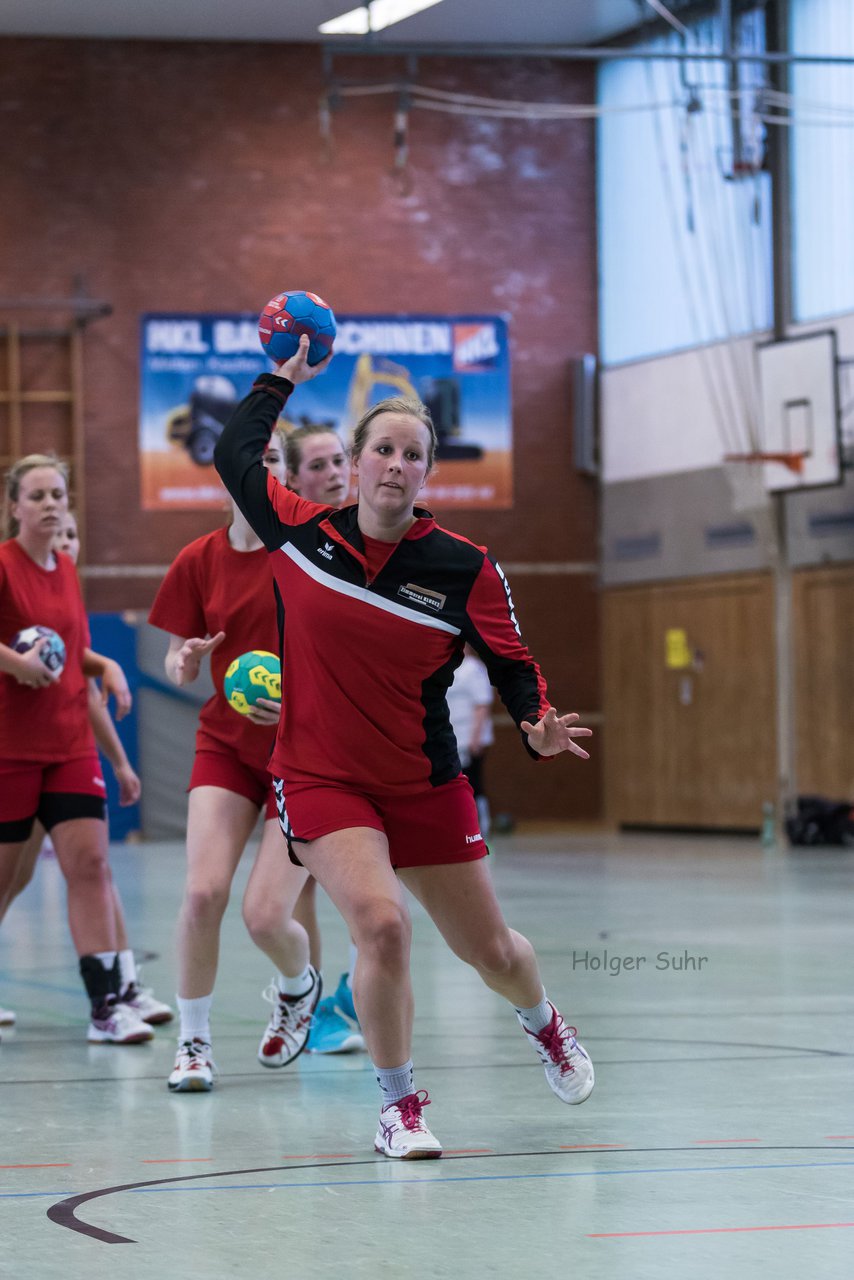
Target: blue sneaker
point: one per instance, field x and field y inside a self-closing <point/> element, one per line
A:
<point x="343" y="999"/>
<point x="331" y="1032"/>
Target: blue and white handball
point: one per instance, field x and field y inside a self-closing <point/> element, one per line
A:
<point x="52" y="654"/>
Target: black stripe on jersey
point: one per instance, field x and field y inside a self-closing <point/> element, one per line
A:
<point x="440" y="745"/>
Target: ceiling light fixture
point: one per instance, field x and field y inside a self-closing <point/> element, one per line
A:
<point x="374" y="17"/>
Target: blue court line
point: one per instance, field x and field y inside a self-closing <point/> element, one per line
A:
<point x="10" y="980"/>
<point x="428" y="1181"/>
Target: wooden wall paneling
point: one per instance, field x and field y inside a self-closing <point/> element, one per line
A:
<point x="824" y="681"/>
<point x="690" y="747"/>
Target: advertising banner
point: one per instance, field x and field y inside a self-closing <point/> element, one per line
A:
<point x="195" y="368"/>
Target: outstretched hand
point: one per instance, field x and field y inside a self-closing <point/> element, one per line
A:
<point x="297" y="369"/>
<point x="554" y="733"/>
<point x="188" y="659"/>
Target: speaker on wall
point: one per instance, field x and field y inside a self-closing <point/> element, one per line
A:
<point x="585" y="414"/>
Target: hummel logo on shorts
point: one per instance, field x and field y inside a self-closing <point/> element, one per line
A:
<point x="474" y="839"/>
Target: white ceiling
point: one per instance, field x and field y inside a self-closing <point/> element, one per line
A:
<point x="484" y="22"/>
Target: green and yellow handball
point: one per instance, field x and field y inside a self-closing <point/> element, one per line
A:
<point x="254" y="675"/>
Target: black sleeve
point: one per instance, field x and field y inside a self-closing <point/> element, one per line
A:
<point x="239" y="451"/>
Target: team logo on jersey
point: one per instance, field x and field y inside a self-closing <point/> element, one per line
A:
<point x="325" y="551"/>
<point x="422" y="595"/>
<point x="510" y="603"/>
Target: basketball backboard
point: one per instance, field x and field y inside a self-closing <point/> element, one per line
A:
<point x="801" y="446"/>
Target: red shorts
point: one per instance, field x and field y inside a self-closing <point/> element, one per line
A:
<point x="222" y="768"/>
<point x="425" y="829"/>
<point x="28" y="790"/>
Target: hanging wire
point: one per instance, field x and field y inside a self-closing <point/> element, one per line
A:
<point x="664" y="12"/>
<point x="722" y="251"/>
<point x="400" y="167"/>
<point x="775" y="108"/>
<point x="716" y="389"/>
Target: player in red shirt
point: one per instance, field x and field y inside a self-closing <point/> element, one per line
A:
<point x="49" y="767"/>
<point x="380" y="601"/>
<point x="217" y="599"/>
<point x="142" y="999"/>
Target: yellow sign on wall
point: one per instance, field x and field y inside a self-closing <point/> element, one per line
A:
<point x="678" y="654"/>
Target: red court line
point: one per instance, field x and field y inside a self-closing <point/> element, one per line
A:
<point x="840" y="1137"/>
<point x="717" y="1141"/>
<point x="714" y="1231"/>
<point x="35" y="1166"/>
<point x="592" y="1146"/>
<point x="180" y="1160"/>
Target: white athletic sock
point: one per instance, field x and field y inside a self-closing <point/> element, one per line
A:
<point x="127" y="969"/>
<point x="352" y="969"/>
<point x="107" y="958"/>
<point x="195" y="1018"/>
<point x="537" y="1017"/>
<point x="395" y="1082"/>
<point x="299" y="986"/>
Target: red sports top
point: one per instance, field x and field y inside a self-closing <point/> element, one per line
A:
<point x="371" y="635"/>
<point x="52" y="724"/>
<point x="210" y="587"/>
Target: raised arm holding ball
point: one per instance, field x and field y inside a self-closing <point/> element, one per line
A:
<point x="365" y="766"/>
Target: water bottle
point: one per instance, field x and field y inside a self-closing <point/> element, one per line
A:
<point x="769" y="835"/>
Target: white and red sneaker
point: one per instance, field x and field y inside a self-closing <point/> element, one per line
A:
<point x="194" y="1069"/>
<point x="290" y="1022"/>
<point x="146" y="1004"/>
<point x="402" y="1133"/>
<point x="569" y="1070"/>
<point x="120" y="1025"/>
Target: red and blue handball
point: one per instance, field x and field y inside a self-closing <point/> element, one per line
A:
<point x="287" y="317"/>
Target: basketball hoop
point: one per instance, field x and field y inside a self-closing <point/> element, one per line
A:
<point x="794" y="461"/>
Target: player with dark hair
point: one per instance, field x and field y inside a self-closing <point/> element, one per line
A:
<point x="380" y="601"/>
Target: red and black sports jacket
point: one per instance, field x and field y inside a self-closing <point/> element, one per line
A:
<point x="366" y="663"/>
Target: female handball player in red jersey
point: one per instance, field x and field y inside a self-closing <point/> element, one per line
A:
<point x="380" y="601"/>
<point x="49" y="767"/>
<point x="218" y="599"/>
<point x="142" y="999"/>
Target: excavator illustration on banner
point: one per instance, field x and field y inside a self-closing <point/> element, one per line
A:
<point x="197" y="425"/>
<point x="441" y="396"/>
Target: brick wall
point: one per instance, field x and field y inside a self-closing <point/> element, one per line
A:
<point x="184" y="176"/>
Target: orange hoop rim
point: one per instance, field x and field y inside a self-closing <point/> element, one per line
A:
<point x="793" y="461"/>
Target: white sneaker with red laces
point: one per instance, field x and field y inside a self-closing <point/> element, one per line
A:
<point x="120" y="1025"/>
<point x="146" y="1004"/>
<point x="402" y="1133"/>
<point x="290" y="1022"/>
<point x="569" y="1070"/>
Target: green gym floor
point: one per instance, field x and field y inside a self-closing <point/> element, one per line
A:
<point x="719" y="1139"/>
